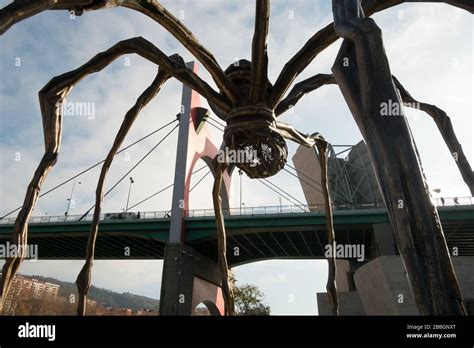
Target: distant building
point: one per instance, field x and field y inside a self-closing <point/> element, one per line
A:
<point x="351" y="178"/>
<point x="24" y="287"/>
<point x="91" y="302"/>
<point x="145" y="312"/>
<point x="44" y="289"/>
<point x="120" y="311"/>
<point x="378" y="286"/>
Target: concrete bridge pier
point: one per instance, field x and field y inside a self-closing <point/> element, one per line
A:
<point x="189" y="278"/>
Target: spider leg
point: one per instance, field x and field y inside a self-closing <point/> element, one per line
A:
<point x="445" y="127"/>
<point x="83" y="280"/>
<point x="258" y="77"/>
<point x="315" y="45"/>
<point x="366" y="84"/>
<point x="17" y="11"/>
<point x="440" y="117"/>
<point x="226" y="277"/>
<point x="300" y="89"/>
<point x="289" y="132"/>
<point x="326" y="37"/>
<point x="321" y="144"/>
<point x="157" y="12"/>
<point x="20" y="10"/>
<point x="51" y="99"/>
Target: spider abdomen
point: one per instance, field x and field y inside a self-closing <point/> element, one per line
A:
<point x="261" y="151"/>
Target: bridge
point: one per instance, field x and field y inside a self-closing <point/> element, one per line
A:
<point x="254" y="233"/>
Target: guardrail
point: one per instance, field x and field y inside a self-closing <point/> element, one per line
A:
<point x="265" y="210"/>
<point x="283" y="209"/>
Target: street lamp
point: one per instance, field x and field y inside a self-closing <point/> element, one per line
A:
<point x="129" y="189"/>
<point x="437" y="190"/>
<point x="240" y="175"/>
<point x="70" y="197"/>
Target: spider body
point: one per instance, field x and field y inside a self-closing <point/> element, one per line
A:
<point x="251" y="127"/>
<point x="267" y="148"/>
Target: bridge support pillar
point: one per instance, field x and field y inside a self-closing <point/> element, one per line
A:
<point x="189" y="278"/>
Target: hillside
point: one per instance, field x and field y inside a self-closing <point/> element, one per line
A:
<point x="104" y="296"/>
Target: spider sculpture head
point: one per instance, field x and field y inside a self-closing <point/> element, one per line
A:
<point x="251" y="129"/>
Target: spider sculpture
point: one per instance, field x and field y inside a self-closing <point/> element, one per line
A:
<point x="250" y="105"/>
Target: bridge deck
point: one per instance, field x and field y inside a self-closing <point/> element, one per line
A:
<point x="256" y="237"/>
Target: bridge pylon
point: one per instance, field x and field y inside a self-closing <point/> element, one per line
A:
<point x="189" y="276"/>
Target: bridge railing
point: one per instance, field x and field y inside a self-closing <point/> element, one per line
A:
<point x="264" y="210"/>
<point x="289" y="209"/>
<point x="283" y="209"/>
<point x="453" y="201"/>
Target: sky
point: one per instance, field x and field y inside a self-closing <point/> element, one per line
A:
<point x="429" y="47"/>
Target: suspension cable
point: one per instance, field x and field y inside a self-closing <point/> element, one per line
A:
<point x="307" y="183"/>
<point x="151" y="196"/>
<point x="199" y="181"/>
<point x="93" y="166"/>
<point x="280" y="189"/>
<point x="212" y="124"/>
<point x="281" y="195"/>
<point x="129" y="171"/>
<point x="303" y="174"/>
<point x="216" y="121"/>
<point x="164" y="189"/>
